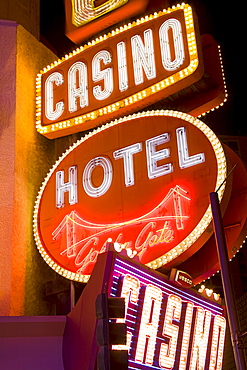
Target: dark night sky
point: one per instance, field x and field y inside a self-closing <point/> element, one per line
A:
<point x="221" y="21"/>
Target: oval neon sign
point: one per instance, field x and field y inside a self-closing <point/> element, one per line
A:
<point x="142" y="181"/>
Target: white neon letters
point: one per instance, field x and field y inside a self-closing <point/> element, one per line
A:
<point x="127" y="155"/>
<point x="164" y="338"/>
<point x="154" y="156"/>
<point x="90" y="189"/>
<point x="154" y="167"/>
<point x="110" y="71"/>
<point x="75" y="92"/>
<point x="70" y="187"/>
<point x="122" y="66"/>
<point x="168" y="62"/>
<point x="52" y="114"/>
<point x="130" y="290"/>
<point x="143" y="57"/>
<point x="183" y="153"/>
<point x="106" y="75"/>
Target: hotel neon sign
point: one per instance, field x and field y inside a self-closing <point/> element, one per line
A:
<point x="147" y="191"/>
<point x="119" y="73"/>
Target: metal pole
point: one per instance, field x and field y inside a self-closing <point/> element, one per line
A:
<point x="226" y="281"/>
<point x="72" y="295"/>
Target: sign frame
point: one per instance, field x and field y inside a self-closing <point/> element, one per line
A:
<point x="183" y="247"/>
<point x="110" y="271"/>
<point x="121" y="102"/>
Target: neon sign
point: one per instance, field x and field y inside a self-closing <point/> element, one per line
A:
<point x="85" y="11"/>
<point x="181" y="278"/>
<point x="85" y="18"/>
<point x="142" y="181"/>
<point x="119" y="73"/>
<point x="149" y="231"/>
<point x="168" y="327"/>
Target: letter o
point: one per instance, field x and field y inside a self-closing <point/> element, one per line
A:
<point x="89" y="188"/>
<point x="175" y="26"/>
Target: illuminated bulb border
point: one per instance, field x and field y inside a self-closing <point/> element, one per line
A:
<point x="188" y="15"/>
<point x="190" y="239"/>
<point x="201" y="289"/>
<point x="84" y="11"/>
<point x="225" y="88"/>
<point x="192" y="306"/>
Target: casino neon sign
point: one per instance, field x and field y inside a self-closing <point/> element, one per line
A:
<point x="175" y="328"/>
<point x="141" y="181"/>
<point x="119" y="73"/>
<point x="168" y="327"/>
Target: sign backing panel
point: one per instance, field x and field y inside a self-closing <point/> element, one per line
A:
<point x="119" y="73"/>
<point x="142" y="181"/>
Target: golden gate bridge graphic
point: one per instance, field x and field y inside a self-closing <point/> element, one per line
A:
<point x="75" y="231"/>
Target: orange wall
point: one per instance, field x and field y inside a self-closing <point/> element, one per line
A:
<point x="26" y="157"/>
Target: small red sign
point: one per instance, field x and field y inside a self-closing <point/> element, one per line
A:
<point x="182" y="278"/>
<point x="142" y="182"/>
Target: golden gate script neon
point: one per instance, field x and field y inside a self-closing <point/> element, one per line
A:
<point x="151" y="230"/>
